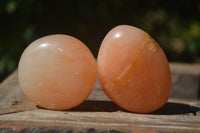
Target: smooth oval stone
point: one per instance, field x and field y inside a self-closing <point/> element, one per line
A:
<point x="133" y="70"/>
<point x="57" y="72"/>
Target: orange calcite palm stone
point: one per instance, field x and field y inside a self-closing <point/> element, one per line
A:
<point x="133" y="70"/>
<point x="57" y="72"/>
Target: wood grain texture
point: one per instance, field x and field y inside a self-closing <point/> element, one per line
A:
<point x="185" y="81"/>
<point x="11" y="97"/>
<point x="104" y="120"/>
<point x="98" y="112"/>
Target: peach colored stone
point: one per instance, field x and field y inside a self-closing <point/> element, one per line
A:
<point x="57" y="72"/>
<point x="133" y="70"/>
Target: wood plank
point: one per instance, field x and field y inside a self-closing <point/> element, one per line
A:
<point x="11" y="97"/>
<point x="178" y="115"/>
<point x="104" y="120"/>
<point x="185" y="81"/>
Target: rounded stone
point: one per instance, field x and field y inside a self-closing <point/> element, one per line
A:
<point x="57" y="72"/>
<point x="133" y="70"/>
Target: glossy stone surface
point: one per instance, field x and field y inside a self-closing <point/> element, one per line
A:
<point x="133" y="70"/>
<point x="57" y="72"/>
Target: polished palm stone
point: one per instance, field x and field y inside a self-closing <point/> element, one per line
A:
<point x="57" y="72"/>
<point x="133" y="70"/>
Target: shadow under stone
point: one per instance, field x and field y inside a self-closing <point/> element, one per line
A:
<point x="108" y="106"/>
<point x="97" y="106"/>
<point x="170" y="108"/>
<point x="177" y="108"/>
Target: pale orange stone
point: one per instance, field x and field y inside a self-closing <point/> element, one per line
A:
<point x="57" y="72"/>
<point x="133" y="70"/>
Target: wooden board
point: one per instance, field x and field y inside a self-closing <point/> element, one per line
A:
<point x="185" y="81"/>
<point x="98" y="112"/>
